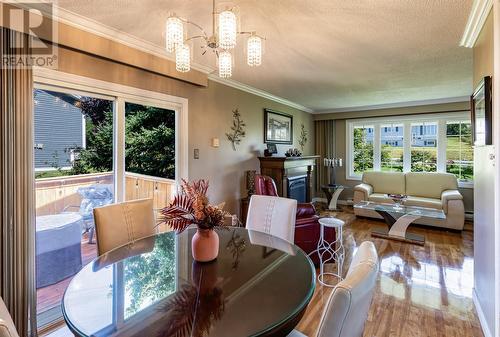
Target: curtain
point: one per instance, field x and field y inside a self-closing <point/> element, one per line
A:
<point x="324" y="133"/>
<point x="17" y="186"/>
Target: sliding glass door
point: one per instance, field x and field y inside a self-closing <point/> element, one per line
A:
<point x="150" y="146"/>
<point x="92" y="149"/>
<point x="73" y="161"/>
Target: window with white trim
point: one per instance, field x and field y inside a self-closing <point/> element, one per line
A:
<point x="391" y="147"/>
<point x="424" y="144"/>
<point x="459" y="151"/>
<point x="363" y="148"/>
<point x="416" y="143"/>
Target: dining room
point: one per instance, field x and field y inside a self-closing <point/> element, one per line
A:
<point x="249" y="168"/>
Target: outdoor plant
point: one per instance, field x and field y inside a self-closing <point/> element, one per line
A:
<point x="149" y="138"/>
<point x="237" y="130"/>
<point x="191" y="206"/>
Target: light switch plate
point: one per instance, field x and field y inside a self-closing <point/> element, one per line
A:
<point x="215" y="142"/>
<point x="196" y="153"/>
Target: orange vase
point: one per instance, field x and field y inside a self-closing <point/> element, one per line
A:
<point x="205" y="245"/>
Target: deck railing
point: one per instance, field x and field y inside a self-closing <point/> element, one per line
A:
<point x="55" y="195"/>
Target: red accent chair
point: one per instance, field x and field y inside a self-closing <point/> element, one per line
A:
<point x="307" y="227"/>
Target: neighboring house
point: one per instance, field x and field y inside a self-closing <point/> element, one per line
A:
<point x="59" y="128"/>
<point x="421" y="135"/>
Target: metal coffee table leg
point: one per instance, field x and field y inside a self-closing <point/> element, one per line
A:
<point x="332" y="198"/>
<point x="397" y="228"/>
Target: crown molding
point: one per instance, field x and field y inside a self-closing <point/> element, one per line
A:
<point x="78" y="21"/>
<point x="475" y="22"/>
<point x="396" y="105"/>
<point x="258" y="92"/>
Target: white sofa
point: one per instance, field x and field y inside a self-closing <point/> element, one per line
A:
<point x="425" y="189"/>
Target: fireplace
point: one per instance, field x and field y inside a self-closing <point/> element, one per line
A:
<point x="291" y="173"/>
<point x="297" y="188"/>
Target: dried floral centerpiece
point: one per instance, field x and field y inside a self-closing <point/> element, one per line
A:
<point x="191" y="206"/>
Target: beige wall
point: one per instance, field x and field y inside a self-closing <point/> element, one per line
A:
<point x="483" y="52"/>
<point x="340" y="138"/>
<point x="210" y="115"/>
<point x="485" y="236"/>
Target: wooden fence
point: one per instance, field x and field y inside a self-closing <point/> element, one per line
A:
<point x="55" y="195"/>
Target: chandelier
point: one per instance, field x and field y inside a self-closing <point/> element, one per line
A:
<point x="222" y="41"/>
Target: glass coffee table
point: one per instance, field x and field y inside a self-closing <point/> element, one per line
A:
<point x="398" y="218"/>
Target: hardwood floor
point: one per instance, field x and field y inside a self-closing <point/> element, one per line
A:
<point x="421" y="291"/>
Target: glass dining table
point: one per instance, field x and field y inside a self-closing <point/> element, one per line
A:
<point x="259" y="285"/>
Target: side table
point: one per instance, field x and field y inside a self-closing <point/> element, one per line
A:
<point x="333" y="250"/>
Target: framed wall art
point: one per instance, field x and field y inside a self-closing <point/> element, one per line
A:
<point x="278" y="127"/>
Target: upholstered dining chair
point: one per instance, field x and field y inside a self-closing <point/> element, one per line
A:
<point x="121" y="223"/>
<point x="270" y="241"/>
<point x="347" y="308"/>
<point x="272" y="215"/>
<point x="7" y="328"/>
<point x="307" y="228"/>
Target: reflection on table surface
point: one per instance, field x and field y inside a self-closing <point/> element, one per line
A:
<point x="154" y="288"/>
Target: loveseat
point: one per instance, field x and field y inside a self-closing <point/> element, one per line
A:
<point x="424" y="189"/>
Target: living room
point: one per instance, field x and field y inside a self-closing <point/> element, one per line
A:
<point x="350" y="145"/>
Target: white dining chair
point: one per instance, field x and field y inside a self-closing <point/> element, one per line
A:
<point x="7" y="327"/>
<point x="347" y="308"/>
<point x="272" y="215"/>
<point x="122" y="223"/>
<point x="270" y="241"/>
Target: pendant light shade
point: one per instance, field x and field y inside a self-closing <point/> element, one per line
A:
<point x="183" y="58"/>
<point x="225" y="64"/>
<point x="227" y="30"/>
<point x="254" y="51"/>
<point x="174" y="33"/>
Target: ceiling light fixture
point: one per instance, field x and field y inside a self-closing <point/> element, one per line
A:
<point x="223" y="39"/>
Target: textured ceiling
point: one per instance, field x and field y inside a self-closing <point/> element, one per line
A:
<point x="325" y="54"/>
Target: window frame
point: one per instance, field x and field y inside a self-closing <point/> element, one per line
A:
<point x="407" y="120"/>
<point x="366" y="126"/>
<point x="392" y="127"/>
<point x="120" y="94"/>
<point x="460" y="122"/>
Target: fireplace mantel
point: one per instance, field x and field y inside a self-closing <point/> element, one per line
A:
<point x="282" y="168"/>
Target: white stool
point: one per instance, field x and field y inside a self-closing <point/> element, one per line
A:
<point x="335" y="249"/>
